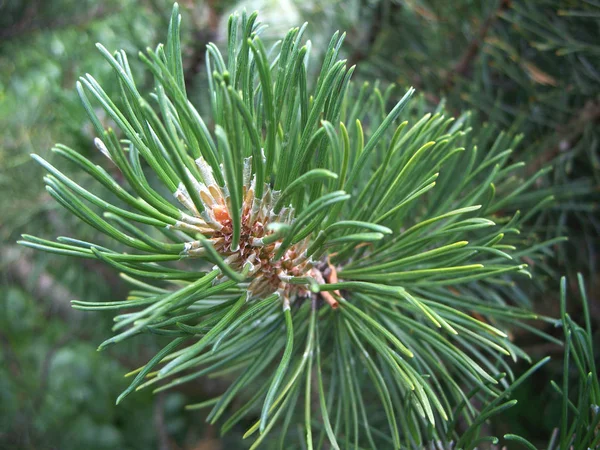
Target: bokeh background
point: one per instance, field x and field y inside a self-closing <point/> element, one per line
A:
<point x="529" y="66"/>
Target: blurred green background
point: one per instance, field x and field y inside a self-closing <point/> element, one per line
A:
<point x="532" y="66"/>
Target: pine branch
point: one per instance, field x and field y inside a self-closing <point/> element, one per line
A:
<point x="312" y="230"/>
<point x="18" y="266"/>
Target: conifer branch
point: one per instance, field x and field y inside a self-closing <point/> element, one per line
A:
<point x="317" y="241"/>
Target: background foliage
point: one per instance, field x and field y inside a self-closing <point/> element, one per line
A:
<point x="533" y="69"/>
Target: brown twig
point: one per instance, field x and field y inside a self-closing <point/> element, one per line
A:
<point x="463" y="65"/>
<point x="568" y="134"/>
<point x="363" y="48"/>
<point x="324" y="277"/>
<point x="206" y="27"/>
<point x="10" y="357"/>
<point x="159" y="422"/>
<point x="18" y="267"/>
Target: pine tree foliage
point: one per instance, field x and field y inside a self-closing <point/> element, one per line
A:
<point x="349" y="266"/>
<point x="578" y="392"/>
<point x="523" y="64"/>
<point x="580" y="417"/>
<point x="565" y="55"/>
